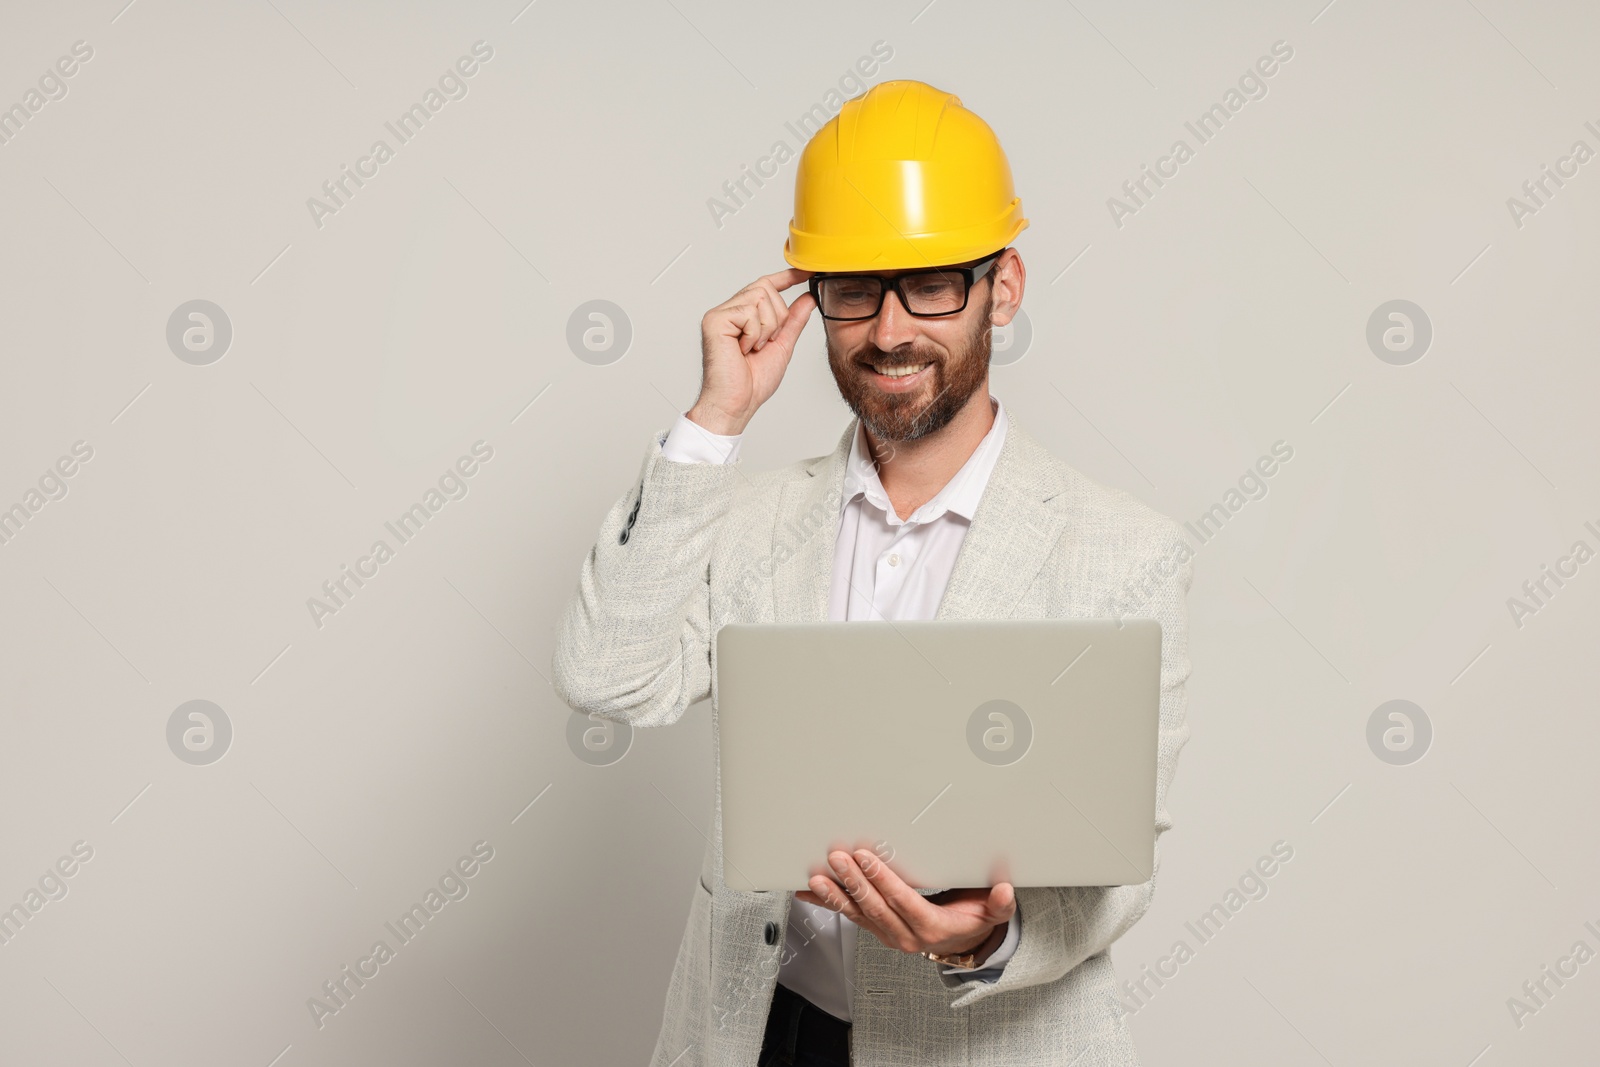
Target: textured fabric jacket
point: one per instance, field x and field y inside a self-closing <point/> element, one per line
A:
<point x="692" y="546"/>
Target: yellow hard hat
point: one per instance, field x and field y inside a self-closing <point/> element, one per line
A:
<point x="902" y="177"/>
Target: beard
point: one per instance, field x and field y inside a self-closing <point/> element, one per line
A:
<point x="948" y="384"/>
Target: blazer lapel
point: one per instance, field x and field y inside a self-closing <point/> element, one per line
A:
<point x="804" y="534"/>
<point x="1012" y="534"/>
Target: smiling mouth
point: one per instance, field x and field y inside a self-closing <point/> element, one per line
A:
<point x="897" y="372"/>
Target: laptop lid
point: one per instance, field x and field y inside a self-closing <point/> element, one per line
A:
<point x="963" y="752"/>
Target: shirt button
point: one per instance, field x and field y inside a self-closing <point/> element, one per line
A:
<point x="894" y="559"/>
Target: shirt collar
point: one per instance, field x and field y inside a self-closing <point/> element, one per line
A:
<point x="959" y="495"/>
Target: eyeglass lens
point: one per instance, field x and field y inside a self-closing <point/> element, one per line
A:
<point x="925" y="293"/>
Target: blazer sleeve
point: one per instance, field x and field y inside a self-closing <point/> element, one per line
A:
<point x="1064" y="925"/>
<point x="634" y="643"/>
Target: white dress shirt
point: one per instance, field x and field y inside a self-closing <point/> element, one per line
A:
<point x="884" y="567"/>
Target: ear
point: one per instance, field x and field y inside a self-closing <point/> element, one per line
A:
<point x="1009" y="279"/>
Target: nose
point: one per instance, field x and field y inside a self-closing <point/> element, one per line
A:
<point x="893" y="327"/>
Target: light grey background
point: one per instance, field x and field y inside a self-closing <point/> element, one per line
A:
<point x="431" y="312"/>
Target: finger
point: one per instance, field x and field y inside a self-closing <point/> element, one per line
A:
<point x="746" y="315"/>
<point x="923" y="918"/>
<point x="866" y="896"/>
<point x="795" y="320"/>
<point x="959" y="908"/>
<point x="773" y="282"/>
<point x="771" y="311"/>
<point x="780" y="307"/>
<point x="831" y="896"/>
<point x="772" y="298"/>
<point x="1002" y="902"/>
<point x="826" y="892"/>
<point x="785" y="279"/>
<point x="993" y="903"/>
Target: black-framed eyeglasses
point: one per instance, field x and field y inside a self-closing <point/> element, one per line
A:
<point x="923" y="293"/>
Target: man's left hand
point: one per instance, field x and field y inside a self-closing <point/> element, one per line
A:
<point x="879" y="900"/>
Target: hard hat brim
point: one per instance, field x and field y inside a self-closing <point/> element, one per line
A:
<point x="816" y="252"/>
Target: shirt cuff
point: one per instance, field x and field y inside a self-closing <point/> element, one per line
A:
<point x="689" y="442"/>
<point x="998" y="958"/>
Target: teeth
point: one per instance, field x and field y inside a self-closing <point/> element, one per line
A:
<point x="898" y="372"/>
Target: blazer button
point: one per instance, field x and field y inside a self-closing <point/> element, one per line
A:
<point x="622" y="538"/>
<point x="771" y="932"/>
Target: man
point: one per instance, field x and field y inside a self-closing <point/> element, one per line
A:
<point x="935" y="502"/>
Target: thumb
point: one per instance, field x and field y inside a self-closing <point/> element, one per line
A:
<point x="799" y="315"/>
<point x="1002" y="902"/>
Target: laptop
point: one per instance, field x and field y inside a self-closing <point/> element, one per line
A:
<point x="962" y="752"/>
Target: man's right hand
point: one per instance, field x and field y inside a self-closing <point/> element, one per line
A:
<point x="745" y="345"/>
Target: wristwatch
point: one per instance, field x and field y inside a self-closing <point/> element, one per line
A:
<point x="970" y="957"/>
<point x="960" y="959"/>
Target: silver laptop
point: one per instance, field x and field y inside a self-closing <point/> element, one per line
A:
<point x="962" y="752"/>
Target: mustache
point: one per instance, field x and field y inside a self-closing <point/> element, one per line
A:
<point x="873" y="354"/>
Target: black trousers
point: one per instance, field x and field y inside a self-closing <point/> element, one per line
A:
<point x="800" y="1034"/>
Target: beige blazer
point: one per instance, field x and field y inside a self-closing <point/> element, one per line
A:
<point x="693" y="546"/>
